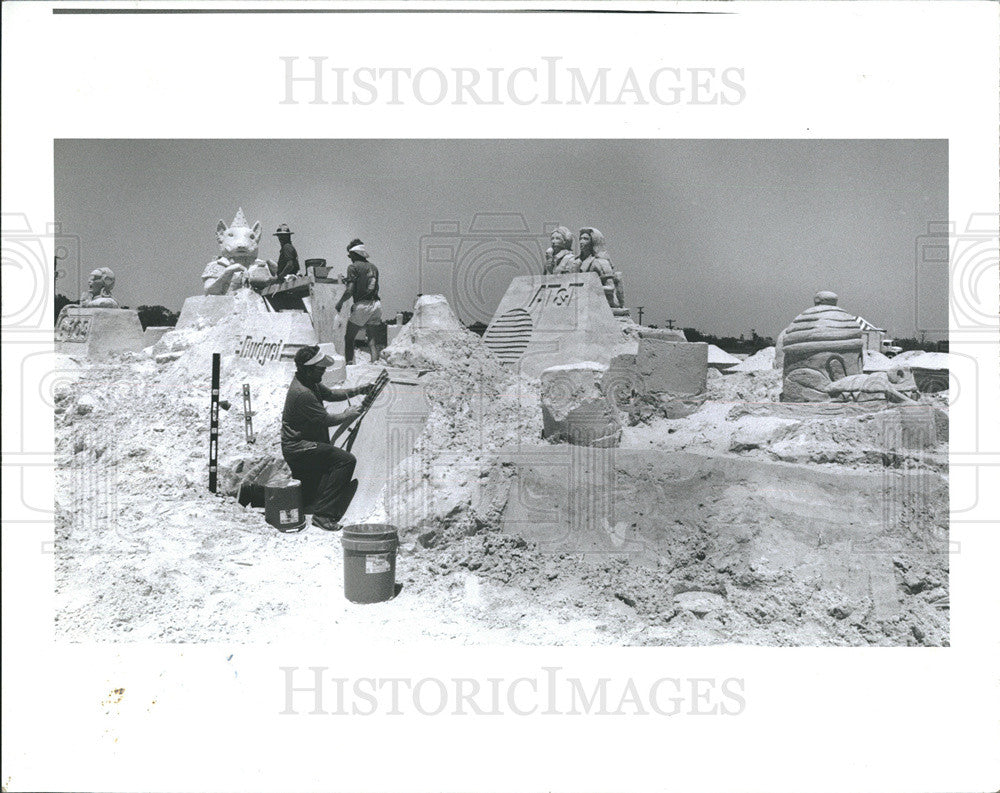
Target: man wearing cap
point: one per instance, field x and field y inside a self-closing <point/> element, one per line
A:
<point x="288" y="257"/>
<point x="366" y="310"/>
<point x="324" y="470"/>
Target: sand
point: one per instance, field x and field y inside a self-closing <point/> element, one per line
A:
<point x="145" y="552"/>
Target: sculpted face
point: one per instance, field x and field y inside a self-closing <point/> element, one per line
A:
<point x="586" y="244"/>
<point x="96" y="282"/>
<point x="238" y="240"/>
<point x="560" y="241"/>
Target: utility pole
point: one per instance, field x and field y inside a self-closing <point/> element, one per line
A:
<point x="639" y="309"/>
<point x="670" y="323"/>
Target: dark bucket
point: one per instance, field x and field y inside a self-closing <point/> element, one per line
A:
<point x="369" y="562"/>
<point x="283" y="506"/>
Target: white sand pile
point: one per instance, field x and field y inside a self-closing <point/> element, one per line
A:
<point x="478" y="407"/>
<point x="435" y="339"/>
<point x="720" y="359"/>
<point x="758" y="362"/>
<point x="906" y="357"/>
<point x="937" y="361"/>
<point x="874" y="361"/>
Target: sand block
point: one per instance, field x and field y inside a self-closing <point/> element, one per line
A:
<point x="202" y="311"/>
<point x="830" y="527"/>
<point x="273" y="337"/>
<point x="912" y="427"/>
<point x="672" y="367"/>
<point x="386" y="440"/>
<point x="549" y="320"/>
<point x="665" y="334"/>
<point x="576" y="408"/>
<point x="154" y="333"/>
<point x="97" y="332"/>
<point x="322" y="305"/>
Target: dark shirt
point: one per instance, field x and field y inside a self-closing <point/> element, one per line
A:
<point x="288" y="260"/>
<point x="362" y="280"/>
<point x="304" y="421"/>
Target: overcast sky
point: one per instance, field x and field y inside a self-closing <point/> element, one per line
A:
<point x="724" y="236"/>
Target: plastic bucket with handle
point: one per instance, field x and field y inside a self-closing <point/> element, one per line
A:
<point x="370" y="562"/>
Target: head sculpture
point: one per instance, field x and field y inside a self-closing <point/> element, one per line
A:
<point x="238" y="241"/>
<point x="108" y="279"/>
<point x="95" y="285"/>
<point x="99" y="286"/>
<point x="561" y="239"/>
<point x="594" y="245"/>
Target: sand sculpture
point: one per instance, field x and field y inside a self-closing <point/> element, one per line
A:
<point x="237" y="264"/>
<point x="559" y="258"/>
<point x="895" y="385"/>
<point x="576" y="405"/>
<point x="98" y="294"/>
<point x="822" y="345"/>
<point x="594" y="258"/>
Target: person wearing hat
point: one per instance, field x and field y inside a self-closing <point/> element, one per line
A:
<point x="366" y="309"/>
<point x="324" y="470"/>
<point x="288" y="257"/>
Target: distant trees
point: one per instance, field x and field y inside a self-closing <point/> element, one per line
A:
<point x="731" y="344"/>
<point x="157" y="316"/>
<point x="921" y="344"/>
<point x="148" y="315"/>
<point x="62" y="301"/>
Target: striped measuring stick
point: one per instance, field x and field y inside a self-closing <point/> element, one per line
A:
<point x="213" y="439"/>
<point x="248" y="414"/>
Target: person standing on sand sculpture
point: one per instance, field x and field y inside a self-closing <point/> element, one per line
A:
<point x="288" y="257"/>
<point x="98" y="294"/>
<point x="324" y="470"/>
<point x="366" y="310"/>
<point x="594" y="258"/>
<point x="559" y="258"/>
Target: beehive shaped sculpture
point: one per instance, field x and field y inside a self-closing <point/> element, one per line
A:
<point x="822" y="345"/>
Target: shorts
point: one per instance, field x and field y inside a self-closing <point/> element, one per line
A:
<point x="366" y="312"/>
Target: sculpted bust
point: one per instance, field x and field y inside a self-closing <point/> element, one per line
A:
<point x="559" y="258"/>
<point x="237" y="264"/>
<point x="594" y="258"/>
<point x="98" y="294"/>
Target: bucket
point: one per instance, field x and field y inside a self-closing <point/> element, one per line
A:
<point x="369" y="562"/>
<point x="283" y="506"/>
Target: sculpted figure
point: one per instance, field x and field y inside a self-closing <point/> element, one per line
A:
<point x="822" y="345"/>
<point x="98" y="294"/>
<point x="594" y="258"/>
<point x="237" y="264"/>
<point x="895" y="385"/>
<point x="559" y="258"/>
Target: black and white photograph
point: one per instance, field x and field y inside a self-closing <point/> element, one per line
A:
<point x="641" y="393"/>
<point x="498" y="395"/>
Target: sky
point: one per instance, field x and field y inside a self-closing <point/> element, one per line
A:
<point x="727" y="236"/>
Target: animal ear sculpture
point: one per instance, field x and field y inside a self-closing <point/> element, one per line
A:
<point x="220" y="230"/>
<point x="256" y="231"/>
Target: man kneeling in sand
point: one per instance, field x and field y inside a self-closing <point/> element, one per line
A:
<point x="324" y="470"/>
